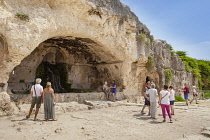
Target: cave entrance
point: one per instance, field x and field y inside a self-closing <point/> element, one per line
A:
<point x="71" y="64"/>
<point x="155" y="78"/>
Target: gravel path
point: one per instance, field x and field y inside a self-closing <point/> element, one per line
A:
<point x="121" y="122"/>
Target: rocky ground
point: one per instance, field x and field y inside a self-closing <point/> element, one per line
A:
<point x="102" y="120"/>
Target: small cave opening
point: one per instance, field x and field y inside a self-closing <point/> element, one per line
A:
<point x="71" y="64"/>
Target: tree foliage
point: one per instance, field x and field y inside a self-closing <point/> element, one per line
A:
<point x="199" y="68"/>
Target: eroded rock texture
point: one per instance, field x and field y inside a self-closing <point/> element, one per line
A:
<point x="96" y="41"/>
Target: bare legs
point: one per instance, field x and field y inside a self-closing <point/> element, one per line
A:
<point x="29" y="114"/>
<point x="30" y="111"/>
<point x="113" y="95"/>
<point x="36" y="112"/>
<point x="194" y="98"/>
<point x="142" y="111"/>
<point x="172" y="109"/>
<point x="186" y="101"/>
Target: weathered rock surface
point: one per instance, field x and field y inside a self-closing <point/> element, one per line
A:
<point x="97" y="40"/>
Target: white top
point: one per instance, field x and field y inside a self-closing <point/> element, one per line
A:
<point x="152" y="95"/>
<point x="165" y="100"/>
<point x="172" y="95"/>
<point x="105" y="87"/>
<point x="194" y="91"/>
<point x="38" y="88"/>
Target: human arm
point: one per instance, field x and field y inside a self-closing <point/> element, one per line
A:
<point x="53" y="96"/>
<point x="43" y="96"/>
<point x="160" y="97"/>
<point x="31" y="93"/>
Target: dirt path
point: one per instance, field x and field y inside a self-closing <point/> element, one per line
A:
<point x="112" y="123"/>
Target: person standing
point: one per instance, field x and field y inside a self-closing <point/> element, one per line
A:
<point x="49" y="102"/>
<point x="153" y="96"/>
<point x="114" y="90"/>
<point x="146" y="97"/>
<point x="36" y="94"/>
<point x="172" y="98"/>
<point x="186" y="92"/>
<point x="106" y="90"/>
<point x="195" y="94"/>
<point x="164" y="103"/>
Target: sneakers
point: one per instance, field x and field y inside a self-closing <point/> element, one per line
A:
<point x="164" y="120"/>
<point x="171" y="121"/>
<point x="143" y="112"/>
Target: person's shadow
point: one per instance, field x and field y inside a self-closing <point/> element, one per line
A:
<point x="146" y="117"/>
<point x="25" y="119"/>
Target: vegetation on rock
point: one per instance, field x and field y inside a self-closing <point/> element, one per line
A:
<point x="150" y="63"/>
<point x="168" y="76"/>
<point x="199" y="68"/>
<point x="142" y="37"/>
<point x="22" y="16"/>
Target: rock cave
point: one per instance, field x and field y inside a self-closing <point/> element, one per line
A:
<point x="72" y="65"/>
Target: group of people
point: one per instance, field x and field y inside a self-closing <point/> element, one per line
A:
<point x="165" y="99"/>
<point x="46" y="96"/>
<point x="186" y="93"/>
<point x="110" y="90"/>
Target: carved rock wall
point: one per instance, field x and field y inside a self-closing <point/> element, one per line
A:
<point x="108" y="29"/>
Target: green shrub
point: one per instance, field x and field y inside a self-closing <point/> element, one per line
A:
<point x="206" y="95"/>
<point x="152" y="39"/>
<point x="181" y="53"/>
<point x="150" y="63"/>
<point x="179" y="99"/>
<point x="22" y="16"/>
<point x="147" y="43"/>
<point x="168" y="75"/>
<point x="142" y="37"/>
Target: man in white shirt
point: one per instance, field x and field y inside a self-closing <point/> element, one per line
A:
<point x="153" y="98"/>
<point x="36" y="94"/>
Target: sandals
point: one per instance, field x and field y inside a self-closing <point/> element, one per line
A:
<point x="36" y="119"/>
<point x="27" y="117"/>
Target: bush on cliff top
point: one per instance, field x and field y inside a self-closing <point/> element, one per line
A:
<point x="199" y="68"/>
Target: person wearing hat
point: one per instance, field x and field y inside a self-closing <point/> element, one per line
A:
<point x="195" y="95"/>
<point x="36" y="94"/>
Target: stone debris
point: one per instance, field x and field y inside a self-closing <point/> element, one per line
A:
<point x="206" y="132"/>
<point x="58" y="130"/>
<point x="19" y="129"/>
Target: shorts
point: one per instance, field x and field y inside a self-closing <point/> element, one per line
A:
<point x="185" y="96"/>
<point x="172" y="102"/>
<point x="147" y="102"/>
<point x="194" y="94"/>
<point x="106" y="92"/>
<point x="36" y="101"/>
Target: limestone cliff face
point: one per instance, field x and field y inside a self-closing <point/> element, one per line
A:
<point x="110" y="36"/>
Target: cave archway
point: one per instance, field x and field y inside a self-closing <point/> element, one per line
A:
<point x="71" y="64"/>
